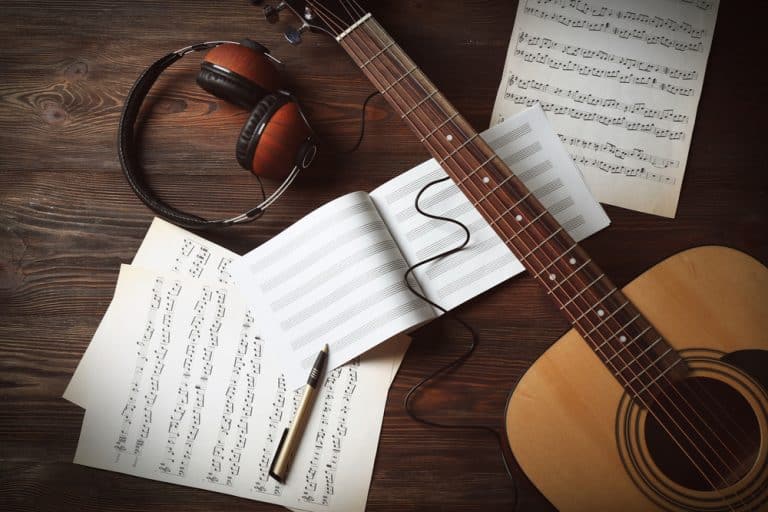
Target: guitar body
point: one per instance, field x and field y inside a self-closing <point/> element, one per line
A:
<point x="587" y="446"/>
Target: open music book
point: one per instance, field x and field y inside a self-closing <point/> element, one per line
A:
<point x="336" y="276"/>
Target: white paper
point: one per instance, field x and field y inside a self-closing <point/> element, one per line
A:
<point x="165" y="248"/>
<point x="334" y="277"/>
<point x="620" y="81"/>
<point x="530" y="148"/>
<point x="191" y="400"/>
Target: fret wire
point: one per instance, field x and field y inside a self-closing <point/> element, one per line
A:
<point x="591" y="308"/>
<point x="419" y="104"/>
<point x="524" y="258"/>
<point x="399" y="80"/>
<point x="493" y="221"/>
<point x="564" y="280"/>
<point x="649" y="366"/>
<point x="453" y="153"/>
<point x="659" y="376"/>
<point x="557" y="259"/>
<point x="585" y="289"/>
<point x="646" y="369"/>
<point x="645" y="350"/>
<point x="629" y="343"/>
<point x="430" y="134"/>
<point x="527" y="256"/>
<point x="608" y="317"/>
<point x="390" y="45"/>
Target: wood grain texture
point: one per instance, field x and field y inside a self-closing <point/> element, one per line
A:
<point x="68" y="219"/>
<point x="561" y="418"/>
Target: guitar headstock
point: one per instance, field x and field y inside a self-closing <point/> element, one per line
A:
<point x="331" y="17"/>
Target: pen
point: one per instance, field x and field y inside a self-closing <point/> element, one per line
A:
<point x="291" y="438"/>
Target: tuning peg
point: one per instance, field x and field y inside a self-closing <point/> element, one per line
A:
<point x="293" y="35"/>
<point x="272" y="14"/>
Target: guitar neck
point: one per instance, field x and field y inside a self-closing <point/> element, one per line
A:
<point x="628" y="345"/>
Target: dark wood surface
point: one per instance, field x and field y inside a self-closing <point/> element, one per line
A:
<point x="68" y="219"/>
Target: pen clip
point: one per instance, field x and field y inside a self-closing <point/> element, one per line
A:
<point x="277" y="456"/>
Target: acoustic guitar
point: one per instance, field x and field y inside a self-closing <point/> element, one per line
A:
<point x="656" y="400"/>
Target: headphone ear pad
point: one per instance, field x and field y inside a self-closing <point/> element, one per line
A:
<point x="238" y="73"/>
<point x="273" y="137"/>
<point x="247" y="141"/>
<point x="232" y="89"/>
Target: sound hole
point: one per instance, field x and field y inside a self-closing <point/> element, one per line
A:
<point x="702" y="434"/>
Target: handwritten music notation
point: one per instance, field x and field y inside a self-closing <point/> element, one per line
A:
<point x="628" y="63"/>
<point x="610" y="74"/>
<point x="622" y="14"/>
<point x="607" y="147"/>
<point x="583" y="115"/>
<point x="623" y="33"/>
<point x="641" y="109"/>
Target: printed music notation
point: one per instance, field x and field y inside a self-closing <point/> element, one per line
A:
<point x="594" y="117"/>
<point x="179" y="389"/>
<point x="628" y="63"/>
<point x="586" y="60"/>
<point x="589" y="99"/>
<point x="623" y="33"/>
<point x="615" y="75"/>
<point x="622" y="154"/>
<point x="338" y="391"/>
<point x="619" y="14"/>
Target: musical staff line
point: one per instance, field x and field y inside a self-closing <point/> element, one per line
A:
<point x="628" y="63"/>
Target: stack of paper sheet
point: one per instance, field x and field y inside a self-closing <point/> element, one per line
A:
<point x="178" y="386"/>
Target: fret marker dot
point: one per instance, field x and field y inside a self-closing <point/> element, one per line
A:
<point x="552" y="277"/>
<point x="486" y="180"/>
<point x="572" y="261"/>
<point x="449" y="137"/>
<point x="600" y="312"/>
<point x="622" y="338"/>
<point x="518" y="218"/>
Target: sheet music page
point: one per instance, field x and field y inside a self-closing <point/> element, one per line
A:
<point x="531" y="149"/>
<point x="168" y="248"/>
<point x="335" y="277"/>
<point x="620" y="81"/>
<point x="191" y="399"/>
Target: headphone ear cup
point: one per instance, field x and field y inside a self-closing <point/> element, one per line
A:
<point x="273" y="138"/>
<point x="239" y="74"/>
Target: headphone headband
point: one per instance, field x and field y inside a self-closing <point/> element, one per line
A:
<point x="127" y="146"/>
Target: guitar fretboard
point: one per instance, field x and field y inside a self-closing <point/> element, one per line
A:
<point x="637" y="355"/>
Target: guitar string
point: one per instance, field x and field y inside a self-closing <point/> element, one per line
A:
<point x="682" y="448"/>
<point x="404" y="87"/>
<point x="562" y="256"/>
<point x="553" y="262"/>
<point x="643" y="400"/>
<point x="385" y="79"/>
<point x="692" y="409"/>
<point x="706" y="440"/>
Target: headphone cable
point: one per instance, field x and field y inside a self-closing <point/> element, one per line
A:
<point x="462" y="358"/>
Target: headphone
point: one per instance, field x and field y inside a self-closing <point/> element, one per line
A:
<point x="275" y="142"/>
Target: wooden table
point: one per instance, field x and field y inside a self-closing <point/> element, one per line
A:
<point x="68" y="219"/>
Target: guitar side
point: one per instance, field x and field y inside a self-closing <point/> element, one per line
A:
<point x="563" y="419"/>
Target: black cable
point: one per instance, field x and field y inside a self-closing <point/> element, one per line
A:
<point x="475" y="338"/>
<point x="362" y="124"/>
